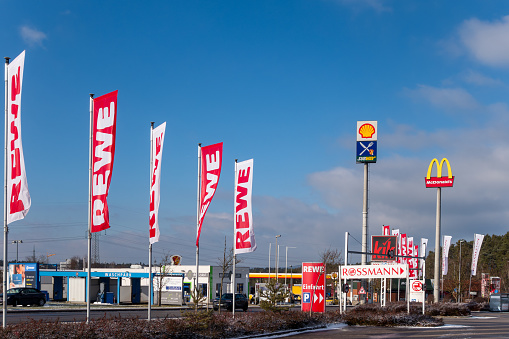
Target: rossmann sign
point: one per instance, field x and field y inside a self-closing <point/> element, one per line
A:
<point x="370" y="271"/>
<point x="439" y="180"/>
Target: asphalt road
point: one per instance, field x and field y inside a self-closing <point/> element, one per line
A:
<point x="480" y="325"/>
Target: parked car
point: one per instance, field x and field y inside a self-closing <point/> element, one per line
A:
<point x="226" y="302"/>
<point x="24" y="296"/>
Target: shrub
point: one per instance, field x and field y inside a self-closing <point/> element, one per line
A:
<point x="394" y="314"/>
<point x="447" y="309"/>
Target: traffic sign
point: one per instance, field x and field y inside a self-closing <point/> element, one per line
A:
<point x="416" y="286"/>
<point x="362" y="291"/>
<point x="306" y="297"/>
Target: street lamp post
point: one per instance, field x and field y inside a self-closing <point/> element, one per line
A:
<point x="286" y="264"/>
<point x="17" y="242"/>
<point x="459" y="275"/>
<point x="277" y="257"/>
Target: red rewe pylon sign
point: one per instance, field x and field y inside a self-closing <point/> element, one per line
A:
<point x="313" y="287"/>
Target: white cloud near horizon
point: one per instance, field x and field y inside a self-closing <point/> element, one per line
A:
<point x="445" y="98"/>
<point x="486" y="41"/>
<point x="32" y="37"/>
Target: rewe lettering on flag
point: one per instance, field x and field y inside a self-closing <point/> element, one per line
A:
<point x="244" y="234"/>
<point x="155" y="182"/>
<point x="103" y="152"/>
<point x="211" y="158"/>
<point x="18" y="197"/>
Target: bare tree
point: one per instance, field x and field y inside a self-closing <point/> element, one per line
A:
<point x="332" y="259"/>
<point x="164" y="266"/>
<point x="226" y="264"/>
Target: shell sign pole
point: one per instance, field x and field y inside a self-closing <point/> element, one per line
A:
<point x="438" y="182"/>
<point x="313" y="287"/>
<point x="367" y="133"/>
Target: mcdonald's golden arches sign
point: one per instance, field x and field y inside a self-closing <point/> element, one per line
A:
<point x="439" y="180"/>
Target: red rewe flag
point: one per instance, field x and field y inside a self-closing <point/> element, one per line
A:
<point x="18" y="197"/>
<point x="211" y="157"/>
<point x="103" y="151"/>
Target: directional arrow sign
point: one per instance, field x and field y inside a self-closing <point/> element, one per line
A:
<point x="318" y="296"/>
<point x="313" y="282"/>
<point x="374" y="271"/>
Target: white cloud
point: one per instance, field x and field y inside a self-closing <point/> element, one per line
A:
<point x="32" y="36"/>
<point x="445" y="98"/>
<point x="476" y="78"/>
<point x="487" y="42"/>
<point x="397" y="196"/>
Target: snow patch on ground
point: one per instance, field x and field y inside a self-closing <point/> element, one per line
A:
<point x="328" y="328"/>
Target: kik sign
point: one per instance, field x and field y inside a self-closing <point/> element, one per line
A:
<point x="313" y="287"/>
<point x="382" y="244"/>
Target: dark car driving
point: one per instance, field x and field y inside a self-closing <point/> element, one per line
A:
<point x="24" y="296"/>
<point x="226" y="302"/>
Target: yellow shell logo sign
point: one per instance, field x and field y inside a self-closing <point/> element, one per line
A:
<point x="367" y="130"/>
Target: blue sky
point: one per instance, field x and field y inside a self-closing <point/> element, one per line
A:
<point x="283" y="82"/>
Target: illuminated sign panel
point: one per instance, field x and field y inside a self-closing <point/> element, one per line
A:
<point x="439" y="181"/>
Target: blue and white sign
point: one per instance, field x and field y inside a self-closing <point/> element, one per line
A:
<point x="366" y="151"/>
<point x="306" y="297"/>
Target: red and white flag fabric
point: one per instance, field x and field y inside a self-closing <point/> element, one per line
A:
<point x="424" y="243"/>
<point x="386" y="230"/>
<point x="403" y="248"/>
<point x="396" y="233"/>
<point x="475" y="255"/>
<point x="157" y="138"/>
<point x="445" y="254"/>
<point x="410" y="253"/>
<point x="103" y="152"/>
<point x="211" y="157"/>
<point x="243" y="233"/>
<point x="18" y="197"/>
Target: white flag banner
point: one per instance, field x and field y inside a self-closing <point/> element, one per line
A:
<point x="155" y="182"/>
<point x="424" y="244"/>
<point x="475" y="255"/>
<point x="445" y="254"/>
<point x="243" y="218"/>
<point x="396" y="233"/>
<point x="18" y="197"/>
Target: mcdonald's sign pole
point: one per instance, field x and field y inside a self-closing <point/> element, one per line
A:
<point x="438" y="182"/>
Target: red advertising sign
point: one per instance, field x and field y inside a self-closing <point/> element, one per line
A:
<point x="313" y="287"/>
<point x="211" y="157"/>
<point x="103" y="152"/>
<point x="382" y="244"/>
<point x="439" y="181"/>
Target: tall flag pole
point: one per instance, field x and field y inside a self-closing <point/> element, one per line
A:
<point x="243" y="233"/>
<point x="89" y="231"/>
<point x="103" y="122"/>
<point x="233" y="279"/>
<point x="198" y="223"/>
<point x="156" y="153"/>
<point x="16" y="196"/>
<point x="151" y="281"/>
<point x="209" y="170"/>
<point x="6" y="229"/>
